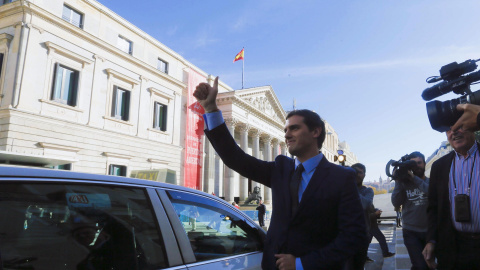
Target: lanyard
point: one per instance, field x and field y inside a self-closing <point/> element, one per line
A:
<point x="471" y="173"/>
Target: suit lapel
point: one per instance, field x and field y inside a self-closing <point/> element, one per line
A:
<point x="286" y="189"/>
<point x="315" y="182"/>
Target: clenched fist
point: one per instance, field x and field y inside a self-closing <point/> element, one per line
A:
<point x="206" y="95"/>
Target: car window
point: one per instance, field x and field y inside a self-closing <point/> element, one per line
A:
<point x="214" y="230"/>
<point x="72" y="226"/>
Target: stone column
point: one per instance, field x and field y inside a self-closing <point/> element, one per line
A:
<point x="209" y="168"/>
<point x="218" y="176"/>
<point x="229" y="174"/>
<point x="267" y="146"/>
<point x="244" y="145"/>
<point x="275" y="145"/>
<point x="255" y="151"/>
<point x="284" y="148"/>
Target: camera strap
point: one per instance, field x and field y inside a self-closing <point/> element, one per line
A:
<point x="471" y="173"/>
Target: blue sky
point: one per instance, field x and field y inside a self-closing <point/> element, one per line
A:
<point x="361" y="65"/>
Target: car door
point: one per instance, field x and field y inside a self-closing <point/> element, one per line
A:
<point x="218" y="235"/>
<point x="62" y="224"/>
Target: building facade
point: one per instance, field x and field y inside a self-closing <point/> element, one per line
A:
<point x="83" y="89"/>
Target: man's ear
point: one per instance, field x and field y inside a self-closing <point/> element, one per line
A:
<point x="317" y="131"/>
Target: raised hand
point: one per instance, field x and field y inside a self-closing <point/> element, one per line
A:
<point x="468" y="120"/>
<point x="206" y="95"/>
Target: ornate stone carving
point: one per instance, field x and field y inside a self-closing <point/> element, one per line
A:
<point x="267" y="138"/>
<point x="255" y="133"/>
<point x="231" y="122"/>
<point x="263" y="104"/>
<point x="243" y="127"/>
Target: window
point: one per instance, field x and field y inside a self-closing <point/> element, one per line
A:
<point x="118" y="170"/>
<point x="72" y="16"/>
<point x="160" y="116"/>
<point x="78" y="226"/>
<point x="65" y="83"/>
<point x="125" y="44"/>
<point x="214" y="230"/>
<point x="121" y="103"/>
<point x="66" y="167"/>
<point x="162" y="66"/>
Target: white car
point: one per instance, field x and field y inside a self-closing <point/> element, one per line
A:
<point x="52" y="219"/>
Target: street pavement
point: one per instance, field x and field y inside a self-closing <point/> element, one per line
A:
<point x="375" y="253"/>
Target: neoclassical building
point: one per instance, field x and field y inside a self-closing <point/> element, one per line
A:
<point x="83" y="89"/>
<point x="256" y="119"/>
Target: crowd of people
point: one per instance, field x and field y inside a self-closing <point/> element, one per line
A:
<point x="323" y="217"/>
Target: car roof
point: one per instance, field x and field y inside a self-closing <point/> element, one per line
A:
<point x="42" y="173"/>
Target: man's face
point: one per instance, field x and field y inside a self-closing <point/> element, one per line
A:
<point x="298" y="137"/>
<point x="360" y="176"/>
<point x="461" y="140"/>
<point x="420" y="169"/>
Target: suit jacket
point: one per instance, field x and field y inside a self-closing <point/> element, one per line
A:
<point x="261" y="210"/>
<point x="328" y="226"/>
<point x="440" y="222"/>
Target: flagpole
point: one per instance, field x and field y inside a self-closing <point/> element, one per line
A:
<point x="243" y="64"/>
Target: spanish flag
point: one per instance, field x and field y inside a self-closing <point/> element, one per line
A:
<point x="239" y="56"/>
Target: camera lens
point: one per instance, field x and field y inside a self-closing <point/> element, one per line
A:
<point x="443" y="115"/>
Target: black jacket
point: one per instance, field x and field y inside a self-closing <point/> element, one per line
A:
<point x="329" y="225"/>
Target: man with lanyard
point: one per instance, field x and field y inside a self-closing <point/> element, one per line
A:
<point x="454" y="206"/>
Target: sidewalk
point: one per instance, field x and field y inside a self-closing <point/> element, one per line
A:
<point x="402" y="259"/>
<point x="375" y="253"/>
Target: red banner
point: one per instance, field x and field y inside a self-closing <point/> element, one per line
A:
<point x="193" y="135"/>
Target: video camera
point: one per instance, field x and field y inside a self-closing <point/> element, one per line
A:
<point x="443" y="115"/>
<point x="400" y="167"/>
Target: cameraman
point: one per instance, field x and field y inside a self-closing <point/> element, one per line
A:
<point x="410" y="192"/>
<point x="453" y="206"/>
<point x="470" y="119"/>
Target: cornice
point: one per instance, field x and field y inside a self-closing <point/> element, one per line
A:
<point x="79" y="32"/>
<point x="268" y="90"/>
<point x="116" y="155"/>
<point x="5" y="39"/>
<point x="58" y="147"/>
<point x="52" y="47"/>
<point x="158" y="161"/>
<point x="250" y="108"/>
<point x="122" y="77"/>
<point x="120" y="20"/>
<point x="158" y="92"/>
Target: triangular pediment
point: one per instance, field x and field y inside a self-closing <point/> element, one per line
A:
<point x="263" y="99"/>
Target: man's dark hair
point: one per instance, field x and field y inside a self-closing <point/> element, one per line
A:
<point x="417" y="154"/>
<point x="360" y="166"/>
<point x="312" y="120"/>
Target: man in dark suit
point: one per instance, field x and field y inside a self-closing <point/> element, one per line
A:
<point x="453" y="237"/>
<point x="262" y="209"/>
<point x="317" y="220"/>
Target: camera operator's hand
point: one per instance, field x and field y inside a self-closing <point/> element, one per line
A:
<point x="411" y="175"/>
<point x="468" y="120"/>
<point x="206" y="95"/>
